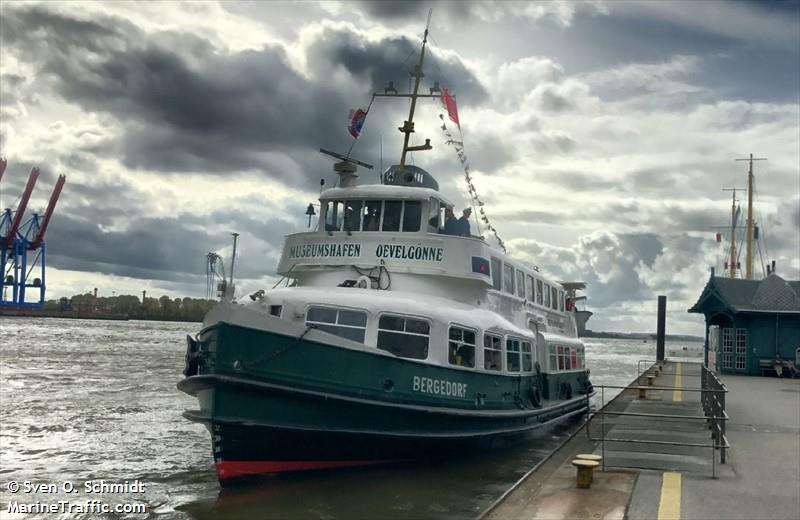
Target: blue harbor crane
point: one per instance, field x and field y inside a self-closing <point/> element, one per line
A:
<point x="22" y="246"/>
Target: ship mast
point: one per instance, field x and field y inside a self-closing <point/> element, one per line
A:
<point x="749" y="259"/>
<point x="733" y="236"/>
<point x="408" y="126"/>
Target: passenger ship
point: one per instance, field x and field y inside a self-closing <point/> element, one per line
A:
<point x="391" y="341"/>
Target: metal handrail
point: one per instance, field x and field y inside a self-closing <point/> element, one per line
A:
<point x="712" y="398"/>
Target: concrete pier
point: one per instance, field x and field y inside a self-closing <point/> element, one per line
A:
<point x="656" y="480"/>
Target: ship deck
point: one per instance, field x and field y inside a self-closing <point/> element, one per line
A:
<point x="759" y="479"/>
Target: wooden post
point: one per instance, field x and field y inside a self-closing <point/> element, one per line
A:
<point x="661" y="326"/>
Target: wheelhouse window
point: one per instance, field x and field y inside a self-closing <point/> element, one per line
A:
<point x="339" y="322"/>
<point x="508" y="278"/>
<point x="512" y="355"/>
<point x="461" y="347"/>
<point x="352" y="215"/>
<point x="527" y="357"/>
<point x="561" y="300"/>
<point x="564" y="358"/>
<point x="391" y="215"/>
<point x="404" y="337"/>
<point x="372" y="215"/>
<point x="497" y="274"/>
<point x="529" y="289"/>
<point x="547" y="295"/>
<point x="334" y="213"/>
<point x="412" y="215"/>
<point x="520" y="284"/>
<point x="554" y="297"/>
<point x="539" y="292"/>
<point x="492" y="352"/>
<point x="434" y="216"/>
<point x="553" y="358"/>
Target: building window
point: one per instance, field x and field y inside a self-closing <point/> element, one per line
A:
<point x="392" y="211"/>
<point x="412" y="216"/>
<point x="546" y="295"/>
<point x="403" y="337"/>
<point x="492" y="352"/>
<point x="527" y="357"/>
<point x="553" y="358"/>
<point x="497" y="274"/>
<point x="372" y="215"/>
<point x="461" y="347"/>
<point x="508" y="278"/>
<point x="741" y="349"/>
<point x="727" y="347"/>
<point x="520" y="284"/>
<point x="539" y="292"/>
<point x="339" y="322"/>
<point x="529" y="289"/>
<point x="512" y="355"/>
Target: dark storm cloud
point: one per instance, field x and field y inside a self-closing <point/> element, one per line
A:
<point x="185" y="107"/>
<point x="391" y="59"/>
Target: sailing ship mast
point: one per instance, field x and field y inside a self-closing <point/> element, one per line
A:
<point x="750" y="225"/>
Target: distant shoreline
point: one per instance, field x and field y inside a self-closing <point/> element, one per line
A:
<point x="645" y="336"/>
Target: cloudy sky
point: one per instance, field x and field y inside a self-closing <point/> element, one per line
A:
<point x="600" y="134"/>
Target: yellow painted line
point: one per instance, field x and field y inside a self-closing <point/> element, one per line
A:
<point x="670" y="506"/>
<point x="677" y="395"/>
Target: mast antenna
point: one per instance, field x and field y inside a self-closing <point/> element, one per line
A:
<point x="749" y="236"/>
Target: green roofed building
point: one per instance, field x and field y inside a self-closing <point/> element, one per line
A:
<point x="752" y="326"/>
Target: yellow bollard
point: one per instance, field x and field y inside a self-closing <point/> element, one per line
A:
<point x="585" y="470"/>
<point x="589" y="456"/>
<point x="642" y="392"/>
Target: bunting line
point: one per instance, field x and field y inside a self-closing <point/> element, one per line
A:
<point x="458" y="146"/>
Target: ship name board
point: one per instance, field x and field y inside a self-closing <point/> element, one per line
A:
<point x="427" y="385"/>
<point x="404" y="252"/>
<point x="325" y="251"/>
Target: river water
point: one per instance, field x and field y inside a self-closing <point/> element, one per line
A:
<point x="85" y="400"/>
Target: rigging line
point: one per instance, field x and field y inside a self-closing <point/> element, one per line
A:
<point x="760" y="256"/>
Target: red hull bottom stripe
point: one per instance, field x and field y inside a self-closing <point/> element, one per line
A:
<point x="236" y="468"/>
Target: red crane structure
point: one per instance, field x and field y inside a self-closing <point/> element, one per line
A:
<point x="18" y="239"/>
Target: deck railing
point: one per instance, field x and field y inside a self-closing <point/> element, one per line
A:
<point x="712" y="398"/>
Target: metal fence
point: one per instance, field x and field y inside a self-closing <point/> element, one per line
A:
<point x="712" y="398"/>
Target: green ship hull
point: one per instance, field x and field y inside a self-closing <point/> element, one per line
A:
<point x="276" y="403"/>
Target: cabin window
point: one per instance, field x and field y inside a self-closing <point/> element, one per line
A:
<point x="573" y="351"/>
<point x="554" y="297"/>
<point x="334" y="213"/>
<point x="392" y="211"/>
<point x="508" y="278"/>
<point x="529" y="289"/>
<point x="520" y="284"/>
<point x="403" y="337"/>
<point x="512" y="355"/>
<point x="539" y="292"/>
<point x="412" y="215"/>
<point x="527" y="357"/>
<point x="581" y="358"/>
<point x="352" y="215"/>
<point x="461" y="347"/>
<point x="275" y="310"/>
<point x="547" y="295"/>
<point x="561" y="300"/>
<point x="434" y="216"/>
<point x="553" y="358"/>
<point x="497" y="274"/>
<point x="492" y="352"/>
<point x="561" y="359"/>
<point x="339" y="322"/>
<point x="372" y="215"/>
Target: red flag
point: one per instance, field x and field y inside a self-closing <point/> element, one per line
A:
<point x="450" y="104"/>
